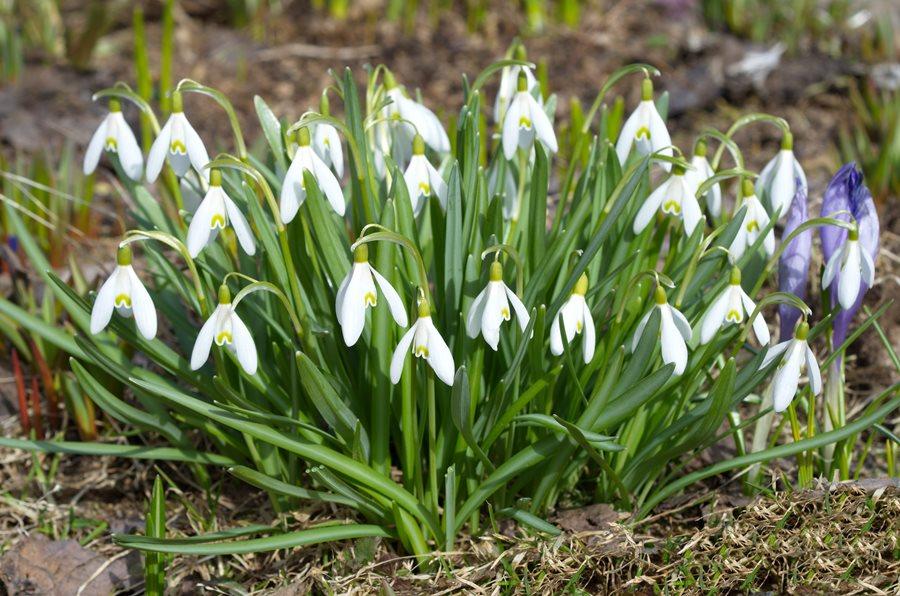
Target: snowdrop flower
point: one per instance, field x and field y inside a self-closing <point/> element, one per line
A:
<point x="793" y="265"/>
<point x="226" y="329"/>
<point x="645" y="130"/>
<point x="179" y="143"/>
<point x="856" y="268"/>
<point x="214" y="213"/>
<point x="795" y="356"/>
<point x="293" y="189"/>
<point x="779" y="180"/>
<point x="509" y="78"/>
<point x="674" y="332"/>
<point x="114" y="135"/>
<point x="676" y="197"/>
<point x="575" y="317"/>
<point x="524" y="121"/>
<point x="124" y="292"/>
<point x="425" y="342"/>
<point x="755" y="221"/>
<point x="491" y="307"/>
<point x="847" y="192"/>
<point x="730" y="307"/>
<point x="412" y="117"/>
<point x="327" y="143"/>
<point x="422" y="179"/>
<point x="700" y="172"/>
<point x="357" y="293"/>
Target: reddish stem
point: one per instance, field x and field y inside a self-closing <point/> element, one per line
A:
<point x="36" y="410"/>
<point x="49" y="389"/>
<point x="20" y="391"/>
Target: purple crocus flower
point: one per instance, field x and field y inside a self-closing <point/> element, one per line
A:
<point x="847" y="192"/>
<point x="793" y="266"/>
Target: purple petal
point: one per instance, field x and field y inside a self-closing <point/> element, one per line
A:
<point x="793" y="267"/>
<point x="837" y="198"/>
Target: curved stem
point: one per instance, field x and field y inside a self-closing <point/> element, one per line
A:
<point x="175" y="243"/>
<point x="188" y="85"/>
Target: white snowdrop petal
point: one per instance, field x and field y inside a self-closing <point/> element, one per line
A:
<point x="590" y="339"/>
<point x="240" y="225"/>
<point x="542" y="127"/>
<point x="158" y="151"/>
<point x="681" y="323"/>
<point x="476" y="310"/>
<point x="329" y="185"/>
<point x="626" y="137"/>
<point x="831" y="268"/>
<point x="401" y="352"/>
<point x="760" y="329"/>
<point x="659" y="136"/>
<point x="787" y="379"/>
<point x="292" y="194"/>
<point x="851" y="276"/>
<point x="510" y="135"/>
<point x="199" y="230"/>
<point x="95" y="147"/>
<point x="648" y="210"/>
<point x="105" y="303"/>
<point x="142" y="305"/>
<point x="774" y="353"/>
<point x="867" y="268"/>
<point x="519" y="307"/>
<point x="639" y="330"/>
<point x="395" y="303"/>
<point x="130" y="155"/>
<point x="672" y="346"/>
<point x="439" y="356"/>
<point x="812" y="371"/>
<point x="244" y="348"/>
<point x="714" y="317"/>
<point x="196" y="150"/>
<point x="204" y="341"/>
<point x="556" y="343"/>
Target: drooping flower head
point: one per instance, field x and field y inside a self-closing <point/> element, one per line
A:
<point x="781" y="178"/>
<point x="358" y="292"/>
<point x="178" y="143"/>
<point x="731" y="307"/>
<point x="327" y="142"/>
<point x="525" y="121"/>
<point x="675" y="197"/>
<point x="754" y="222"/>
<point x="115" y="136"/>
<point x="645" y="130"/>
<point x="422" y="179"/>
<point x="425" y="341"/>
<point x="492" y="307"/>
<point x="796" y="357"/>
<point x="847" y="192"/>
<point x="509" y="78"/>
<point x="793" y="266"/>
<point x="215" y="212"/>
<point x="406" y="117"/>
<point x="674" y="332"/>
<point x="124" y="292"/>
<point x="293" y="189"/>
<point x="575" y="318"/>
<point x="225" y="328"/>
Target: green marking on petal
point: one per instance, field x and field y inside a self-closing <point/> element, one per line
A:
<point x="217" y="221"/>
<point x="111" y="144"/>
<point x="642" y="132"/>
<point x="672" y="206"/>
<point x="421" y="352"/>
<point x="123" y="301"/>
<point x="370" y="299"/>
<point x="177" y="146"/>
<point x="752" y="226"/>
<point x="425" y="188"/>
<point x="223" y="337"/>
<point x="524" y="122"/>
<point x="734" y="316"/>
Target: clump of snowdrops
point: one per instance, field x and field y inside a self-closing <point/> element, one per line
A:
<point x="439" y="330"/>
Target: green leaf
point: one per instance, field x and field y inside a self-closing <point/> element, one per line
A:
<point x="460" y="404"/>
<point x="331" y="533"/>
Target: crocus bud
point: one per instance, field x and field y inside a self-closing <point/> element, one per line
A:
<point x="793" y="266"/>
<point x="847" y="192"/>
